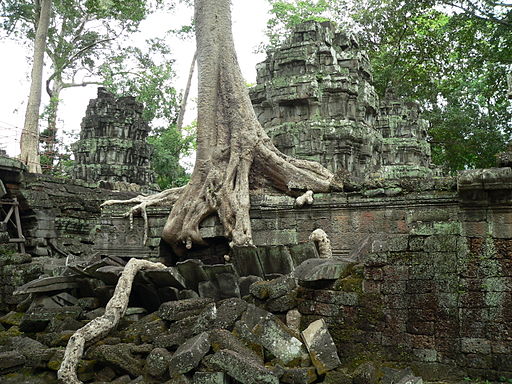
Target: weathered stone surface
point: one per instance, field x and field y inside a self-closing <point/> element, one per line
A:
<point x="223" y="339"/>
<point x="366" y="373"/>
<point x="321" y="269"/>
<point x="321" y="347"/>
<point x="229" y="311"/>
<point x="272" y="334"/>
<point x="189" y="354"/>
<point x="157" y="362"/>
<point x="10" y="361"/>
<point x="177" y="310"/>
<point x="112" y="146"/>
<point x="299" y="376"/>
<point x="192" y="271"/>
<point x="273" y="289"/>
<point x="48" y="284"/>
<point x="242" y="369"/>
<point x="123" y="356"/>
<point x="210" y="378"/>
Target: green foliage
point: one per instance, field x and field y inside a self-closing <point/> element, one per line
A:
<point x="148" y="75"/>
<point x="169" y="146"/>
<point x="450" y="56"/>
<point x="286" y="14"/>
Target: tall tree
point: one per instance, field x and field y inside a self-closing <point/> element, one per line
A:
<point x="231" y="144"/>
<point x="79" y="33"/>
<point x="450" y="55"/>
<point x="29" y="142"/>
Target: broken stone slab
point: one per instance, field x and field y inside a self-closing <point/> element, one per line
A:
<point x="321" y="269"/>
<point x="275" y="259"/>
<point x="64" y="299"/>
<point x="38" y="318"/>
<point x="177" y="310"/>
<point x="242" y="369"/>
<point x="11" y="361"/>
<point x="229" y="311"/>
<point x="228" y="285"/>
<point x="302" y="252"/>
<point x="246" y="261"/>
<point x="208" y="289"/>
<point x="283" y="303"/>
<point x="366" y="373"/>
<point x="192" y="271"/>
<point x="48" y="284"/>
<point x="279" y="340"/>
<point x="272" y="289"/>
<point x="169" y="277"/>
<point x="299" y="375"/>
<point x="123" y="355"/>
<point x="222" y="339"/>
<point x="222" y="286"/>
<point x="206" y="319"/>
<point x="210" y="378"/>
<point x="410" y="379"/>
<point x="321" y="347"/>
<point x="393" y="376"/>
<point x="189" y="354"/>
<point x="157" y="362"/>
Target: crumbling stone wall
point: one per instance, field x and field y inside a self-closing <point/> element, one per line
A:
<point x="112" y="145"/>
<point x="432" y="288"/>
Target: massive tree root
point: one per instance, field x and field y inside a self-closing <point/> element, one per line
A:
<point x="232" y="145"/>
<point x="102" y="325"/>
<point x="163" y="199"/>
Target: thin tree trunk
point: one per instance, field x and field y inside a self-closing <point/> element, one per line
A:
<point x="231" y="143"/>
<point x="183" y="106"/>
<point x="53" y="108"/>
<point x="29" y="142"/>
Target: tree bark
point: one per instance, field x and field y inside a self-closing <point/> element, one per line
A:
<point x="231" y="143"/>
<point x="29" y="142"/>
<point x="183" y="106"/>
<point x="101" y="326"/>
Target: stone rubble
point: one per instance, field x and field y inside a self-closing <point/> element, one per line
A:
<point x="194" y="340"/>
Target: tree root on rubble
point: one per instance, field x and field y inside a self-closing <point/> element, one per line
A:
<point x="101" y="326"/>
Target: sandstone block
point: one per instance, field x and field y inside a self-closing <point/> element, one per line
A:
<point x="321" y="347"/>
<point x="189" y="354"/>
<point x="177" y="310"/>
<point x="242" y="369"/>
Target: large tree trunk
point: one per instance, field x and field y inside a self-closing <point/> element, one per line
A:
<point x="231" y="144"/>
<point x="29" y="142"/>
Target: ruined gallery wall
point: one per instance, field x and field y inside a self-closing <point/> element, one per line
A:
<point x="59" y="218"/>
<point x="434" y="285"/>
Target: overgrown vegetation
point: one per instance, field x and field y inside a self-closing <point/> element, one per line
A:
<point x="451" y="56"/>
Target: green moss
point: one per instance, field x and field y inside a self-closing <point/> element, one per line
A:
<point x="349" y="284"/>
<point x="12" y="318"/>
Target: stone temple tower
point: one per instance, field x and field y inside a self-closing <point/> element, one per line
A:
<point x="112" y="146"/>
<point x="315" y="99"/>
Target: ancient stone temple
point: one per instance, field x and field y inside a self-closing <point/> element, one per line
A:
<point x="314" y="97"/>
<point x="112" y="145"/>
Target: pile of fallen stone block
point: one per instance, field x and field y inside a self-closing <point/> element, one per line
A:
<point x="190" y="323"/>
